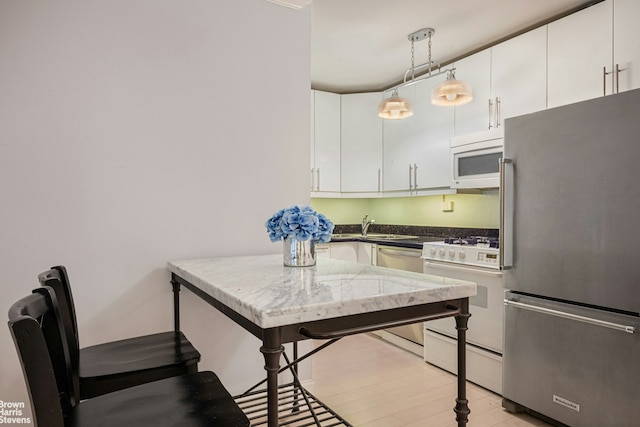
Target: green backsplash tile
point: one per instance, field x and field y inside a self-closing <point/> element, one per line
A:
<point x="469" y="210"/>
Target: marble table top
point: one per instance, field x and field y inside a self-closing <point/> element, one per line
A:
<point x="269" y="294"/>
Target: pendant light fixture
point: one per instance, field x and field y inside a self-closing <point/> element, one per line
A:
<point x="450" y="92"/>
<point x="395" y="107"/>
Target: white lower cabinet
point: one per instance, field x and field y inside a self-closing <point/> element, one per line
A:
<point x="345" y="251"/>
<point x="366" y="253"/>
<point x="360" y="252"/>
<point x="323" y="250"/>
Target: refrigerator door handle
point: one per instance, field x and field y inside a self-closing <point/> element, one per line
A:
<point x="506" y="215"/>
<point x="565" y="315"/>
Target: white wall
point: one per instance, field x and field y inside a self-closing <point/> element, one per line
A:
<point x="137" y="132"/>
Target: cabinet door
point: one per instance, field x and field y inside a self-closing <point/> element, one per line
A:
<point x="398" y="137"/>
<point x="361" y="153"/>
<point x="475" y="70"/>
<point x="366" y="252"/>
<point x="312" y="139"/>
<point x="580" y="46"/>
<point x="626" y="42"/>
<point x="345" y="251"/>
<point x="519" y="75"/>
<point x="323" y="250"/>
<point x="434" y="129"/>
<point x="327" y="141"/>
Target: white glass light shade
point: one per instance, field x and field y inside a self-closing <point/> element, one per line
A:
<point x="451" y="92"/>
<point x="395" y="108"/>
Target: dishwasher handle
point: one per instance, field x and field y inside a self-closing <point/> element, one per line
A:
<point x="402" y="252"/>
<point x="618" y="327"/>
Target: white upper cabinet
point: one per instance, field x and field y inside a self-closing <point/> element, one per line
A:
<point x="508" y="80"/>
<point x="433" y="132"/>
<point x="519" y="76"/>
<point x="580" y="55"/>
<point x="416" y="149"/>
<point x="361" y="154"/>
<point x="325" y="145"/>
<point x="626" y="44"/>
<point x="398" y="155"/>
<point x="474" y="116"/>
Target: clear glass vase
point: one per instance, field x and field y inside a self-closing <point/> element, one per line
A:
<point x="298" y="253"/>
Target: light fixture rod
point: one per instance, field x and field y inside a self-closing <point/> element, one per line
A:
<point x="426" y="64"/>
<point x="421" y="34"/>
<point x="419" y="79"/>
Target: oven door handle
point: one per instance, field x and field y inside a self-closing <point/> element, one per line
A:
<point x="463" y="269"/>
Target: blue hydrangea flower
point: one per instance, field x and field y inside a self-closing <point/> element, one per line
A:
<point x="301" y="222"/>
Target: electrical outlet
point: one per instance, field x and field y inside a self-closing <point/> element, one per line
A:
<point x="447" y="206"/>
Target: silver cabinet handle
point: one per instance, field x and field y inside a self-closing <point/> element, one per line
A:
<point x="490" y="113"/>
<point x="410" y="176"/>
<point x="498" y="112"/>
<point x="617" y="77"/>
<point x="318" y="179"/>
<point x="570" y="316"/>
<point x="312" y="178"/>
<point x="415" y="176"/>
<point x="379" y="180"/>
<point x="605" y="73"/>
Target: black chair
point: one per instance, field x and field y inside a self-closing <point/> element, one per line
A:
<point x="111" y="366"/>
<point x="197" y="399"/>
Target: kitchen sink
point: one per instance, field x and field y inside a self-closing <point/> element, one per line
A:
<point x="372" y="236"/>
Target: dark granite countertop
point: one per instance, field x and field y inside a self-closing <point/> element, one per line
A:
<point x="419" y="234"/>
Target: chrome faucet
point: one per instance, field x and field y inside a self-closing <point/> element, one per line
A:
<point x="366" y="224"/>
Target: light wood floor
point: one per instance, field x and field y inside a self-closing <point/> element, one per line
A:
<point x="372" y="383"/>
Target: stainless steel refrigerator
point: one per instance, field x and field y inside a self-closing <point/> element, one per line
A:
<point x="571" y="207"/>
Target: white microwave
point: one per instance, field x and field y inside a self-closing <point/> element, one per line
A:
<point x="475" y="159"/>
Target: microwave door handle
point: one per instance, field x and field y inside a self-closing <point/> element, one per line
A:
<point x="506" y="215"/>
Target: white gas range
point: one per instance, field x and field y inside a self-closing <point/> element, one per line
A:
<point x="476" y="259"/>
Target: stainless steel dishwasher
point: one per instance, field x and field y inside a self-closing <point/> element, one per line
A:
<point x="407" y="259"/>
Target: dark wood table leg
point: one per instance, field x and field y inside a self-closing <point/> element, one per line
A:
<point x="462" y="404"/>
<point x="272" y="350"/>
<point x="176" y="304"/>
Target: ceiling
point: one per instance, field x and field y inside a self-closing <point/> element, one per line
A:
<point x="362" y="45"/>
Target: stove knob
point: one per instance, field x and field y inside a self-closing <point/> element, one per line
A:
<point x="432" y="251"/>
<point x="441" y="252"/>
<point x="461" y="255"/>
<point x="452" y="253"/>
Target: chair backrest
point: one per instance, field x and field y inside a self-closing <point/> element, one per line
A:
<point x="38" y="335"/>
<point x="58" y="279"/>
